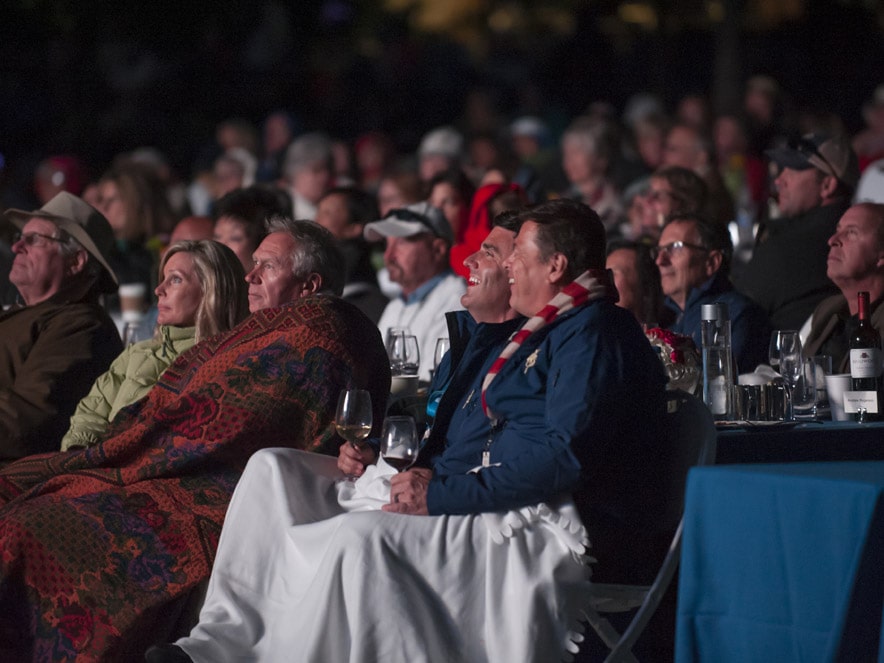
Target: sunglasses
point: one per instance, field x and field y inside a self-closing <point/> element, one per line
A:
<point x="807" y="148"/>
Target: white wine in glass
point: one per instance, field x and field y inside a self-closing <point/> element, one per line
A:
<point x="353" y="416"/>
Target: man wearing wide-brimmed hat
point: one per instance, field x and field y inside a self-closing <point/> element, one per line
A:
<point x="58" y="339"/>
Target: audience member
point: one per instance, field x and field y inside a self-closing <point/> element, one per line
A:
<point x="194" y="228"/>
<point x="671" y="190"/>
<point x="869" y="142"/>
<point x="235" y="169"/>
<point x="637" y="280"/>
<point x="344" y="211"/>
<point x="694" y="258"/>
<point x="488" y="201"/>
<point x="280" y="128"/>
<point x="397" y="189"/>
<point x="134" y="202"/>
<point x="588" y="150"/>
<point x="59" y="173"/>
<point x="309" y="172"/>
<point x="202" y="292"/>
<point x="562" y="430"/>
<point x="689" y="147"/>
<point x="54" y="346"/>
<point x="131" y="524"/>
<point x="418" y="243"/>
<point x="539" y="171"/>
<point x="374" y="153"/>
<point x="452" y="192"/>
<point x="787" y="272"/>
<point x="439" y="149"/>
<point x="240" y="217"/>
<point x="855" y="263"/>
<point x="293" y="262"/>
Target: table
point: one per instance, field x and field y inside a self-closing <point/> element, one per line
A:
<point x="782" y="563"/>
<point x="826" y="441"/>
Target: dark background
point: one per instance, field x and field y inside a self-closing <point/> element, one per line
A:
<point x="98" y="78"/>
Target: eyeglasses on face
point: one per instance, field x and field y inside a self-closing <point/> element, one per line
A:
<point x="34" y="239"/>
<point x="674" y="248"/>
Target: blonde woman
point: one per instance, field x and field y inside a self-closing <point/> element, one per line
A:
<point x="202" y="292"/>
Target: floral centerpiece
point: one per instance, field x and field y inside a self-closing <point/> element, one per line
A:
<point x="680" y="358"/>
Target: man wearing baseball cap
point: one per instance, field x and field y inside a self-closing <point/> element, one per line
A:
<point x="418" y="242"/>
<point x="787" y="272"/>
<point x="58" y="338"/>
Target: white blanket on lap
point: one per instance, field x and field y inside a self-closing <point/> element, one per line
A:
<point x="309" y="569"/>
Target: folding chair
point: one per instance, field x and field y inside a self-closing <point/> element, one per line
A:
<point x="691" y="433"/>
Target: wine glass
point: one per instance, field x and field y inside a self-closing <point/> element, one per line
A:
<point x="404" y="353"/>
<point x="787" y="346"/>
<point x="774" y="350"/>
<point x="353" y="416"/>
<point x="442" y="347"/>
<point x="399" y="443"/>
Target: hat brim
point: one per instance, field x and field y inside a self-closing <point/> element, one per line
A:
<point x="378" y="230"/>
<point x="787" y="158"/>
<point x="20" y="217"/>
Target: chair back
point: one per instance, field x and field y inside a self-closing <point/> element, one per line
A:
<point x="691" y="440"/>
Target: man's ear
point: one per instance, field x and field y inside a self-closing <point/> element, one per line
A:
<point x="713" y="262"/>
<point x="312" y="284"/>
<point x="558" y="267"/>
<point x="440" y="248"/>
<point x="828" y="187"/>
<point x="77" y="262"/>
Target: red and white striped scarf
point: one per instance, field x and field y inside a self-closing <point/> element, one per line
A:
<point x="591" y="284"/>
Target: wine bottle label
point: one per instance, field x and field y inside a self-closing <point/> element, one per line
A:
<point x="865" y="363"/>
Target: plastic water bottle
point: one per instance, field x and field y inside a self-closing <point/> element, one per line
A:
<point x="718" y="375"/>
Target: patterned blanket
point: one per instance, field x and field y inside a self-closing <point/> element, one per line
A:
<point x="99" y="548"/>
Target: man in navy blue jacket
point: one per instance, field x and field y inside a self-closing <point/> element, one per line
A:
<point x="567" y="407"/>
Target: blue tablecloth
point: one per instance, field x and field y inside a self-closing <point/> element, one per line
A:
<point x="782" y="563"/>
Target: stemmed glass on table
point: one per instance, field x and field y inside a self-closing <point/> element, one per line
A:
<point x="442" y="347"/>
<point x="353" y="418"/>
<point x="786" y="356"/>
<point x="399" y="442"/>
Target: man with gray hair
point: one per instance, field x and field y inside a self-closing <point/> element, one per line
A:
<point x="58" y="339"/>
<point x="855" y="264"/>
<point x="296" y="259"/>
<point x="308" y="169"/>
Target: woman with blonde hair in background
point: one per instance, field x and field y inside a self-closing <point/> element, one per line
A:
<point x="202" y="292"/>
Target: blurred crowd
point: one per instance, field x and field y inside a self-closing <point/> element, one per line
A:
<point x="635" y="166"/>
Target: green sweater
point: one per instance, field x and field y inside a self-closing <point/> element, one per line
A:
<point x="128" y="379"/>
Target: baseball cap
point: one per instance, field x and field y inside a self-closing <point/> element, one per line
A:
<point x="82" y="222"/>
<point x="832" y="156"/>
<point x="411" y="220"/>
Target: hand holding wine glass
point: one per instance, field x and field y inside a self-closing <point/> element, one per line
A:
<point x="353" y="417"/>
<point x="399" y="442"/>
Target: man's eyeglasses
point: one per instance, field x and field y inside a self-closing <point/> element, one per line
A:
<point x="809" y="150"/>
<point x="674" y="248"/>
<point x="34" y="239"/>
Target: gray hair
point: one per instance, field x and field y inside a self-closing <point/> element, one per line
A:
<point x="315" y="252"/>
<point x="68" y="246"/>
<point x="307" y="150"/>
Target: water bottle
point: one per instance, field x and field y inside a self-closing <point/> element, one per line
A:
<point x="718" y="374"/>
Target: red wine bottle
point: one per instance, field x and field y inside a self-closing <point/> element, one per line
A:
<point x="865" y="356"/>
